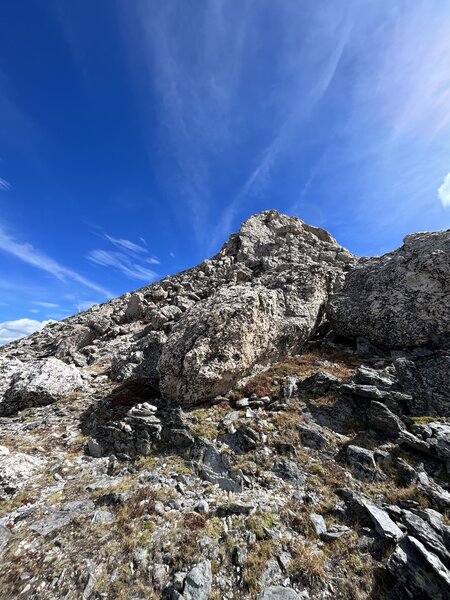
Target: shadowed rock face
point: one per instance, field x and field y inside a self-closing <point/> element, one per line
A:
<point x="401" y="299"/>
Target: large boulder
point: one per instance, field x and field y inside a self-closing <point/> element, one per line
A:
<point x="401" y="299"/>
<point x="272" y="282"/>
<point x="222" y="339"/>
<point x="40" y="383"/>
<point x="16" y="470"/>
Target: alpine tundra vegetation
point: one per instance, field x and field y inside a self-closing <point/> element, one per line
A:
<point x="272" y="423"/>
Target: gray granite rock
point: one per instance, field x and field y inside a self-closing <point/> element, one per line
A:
<point x="419" y="570"/>
<point x="40" y="383"/>
<point x="198" y="582"/>
<point x="396" y="300"/>
<point x="384" y="525"/>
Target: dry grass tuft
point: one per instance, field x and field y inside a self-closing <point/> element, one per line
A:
<point x="308" y="564"/>
<point x="267" y="383"/>
<point x="258" y="557"/>
<point x="395" y="495"/>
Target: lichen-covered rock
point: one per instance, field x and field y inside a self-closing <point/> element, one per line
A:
<point x="400" y="299"/>
<point x="40" y="383"/>
<point x="8" y="366"/>
<point x="197" y="585"/>
<point x="419" y="570"/>
<point x="16" y="469"/>
<point x="219" y="342"/>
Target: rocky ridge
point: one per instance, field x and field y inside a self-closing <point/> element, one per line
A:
<point x="270" y="424"/>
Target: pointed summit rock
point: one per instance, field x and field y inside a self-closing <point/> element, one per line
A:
<point x="267" y="292"/>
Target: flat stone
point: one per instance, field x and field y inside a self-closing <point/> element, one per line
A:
<point x="384" y="525"/>
<point x="5" y="534"/>
<point x="335" y="532"/>
<point x="278" y="593"/>
<point x="312" y="436"/>
<point x="60" y="518"/>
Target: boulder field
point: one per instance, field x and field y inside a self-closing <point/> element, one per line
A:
<point x="272" y="423"/>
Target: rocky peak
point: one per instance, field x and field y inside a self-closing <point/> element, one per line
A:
<point x="277" y="269"/>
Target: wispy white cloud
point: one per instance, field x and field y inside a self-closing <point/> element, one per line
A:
<point x="4" y="185"/>
<point x="310" y="67"/>
<point x="444" y="191"/>
<point x="28" y="254"/>
<point x="133" y="249"/>
<point x="126" y="244"/>
<point x="46" y="304"/>
<point x="122" y="263"/>
<point x="235" y="96"/>
<point x="13" y="330"/>
<point x="410" y="78"/>
<point x="197" y="81"/>
<point x="131" y="260"/>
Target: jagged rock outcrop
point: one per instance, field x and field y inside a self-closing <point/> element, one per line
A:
<point x="280" y="275"/>
<point x="401" y="299"/>
<point x="426" y="378"/>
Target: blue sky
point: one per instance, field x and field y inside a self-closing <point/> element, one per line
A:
<point x="135" y="136"/>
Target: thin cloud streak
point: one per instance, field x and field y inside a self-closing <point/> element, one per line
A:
<point x="285" y="137"/>
<point x="46" y="304"/>
<point x="198" y="103"/>
<point x="122" y="263"/>
<point x="126" y="244"/>
<point x="5" y="186"/>
<point x="26" y="253"/>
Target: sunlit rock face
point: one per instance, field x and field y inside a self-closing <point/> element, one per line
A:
<point x="267" y="293"/>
